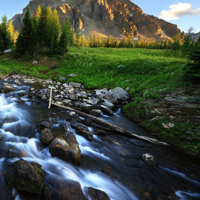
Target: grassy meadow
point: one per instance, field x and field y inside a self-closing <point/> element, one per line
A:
<point x="149" y="74"/>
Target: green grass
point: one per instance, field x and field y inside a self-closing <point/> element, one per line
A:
<point x="148" y="73"/>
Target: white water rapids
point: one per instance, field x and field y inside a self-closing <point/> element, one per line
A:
<point x="20" y="137"/>
<point x="29" y="146"/>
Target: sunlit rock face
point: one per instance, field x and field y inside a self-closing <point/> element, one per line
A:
<point x="107" y="17"/>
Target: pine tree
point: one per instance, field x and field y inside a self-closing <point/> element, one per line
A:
<point x="4" y="35"/>
<point x="26" y="42"/>
<point x="38" y="13"/>
<point x="10" y="31"/>
<point x="42" y="29"/>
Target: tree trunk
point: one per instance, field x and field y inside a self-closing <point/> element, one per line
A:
<point x="113" y="127"/>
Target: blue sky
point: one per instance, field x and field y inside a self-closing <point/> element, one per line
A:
<point x="184" y="13"/>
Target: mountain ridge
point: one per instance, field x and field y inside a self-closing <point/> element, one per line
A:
<point x="106" y="17"/>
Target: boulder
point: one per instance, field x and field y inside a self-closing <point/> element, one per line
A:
<point x="112" y="97"/>
<point x="66" y="148"/>
<point x="93" y="101"/>
<point x="69" y="190"/>
<point x="86" y="107"/>
<point x="121" y="94"/>
<point x="7" y="88"/>
<point x="83" y="130"/>
<point x="88" y="121"/>
<point x="47" y="192"/>
<point x="46" y="136"/>
<point x="106" y="110"/>
<point x="8" y="51"/>
<point x="95" y="194"/>
<point x="149" y="159"/>
<point x="45" y="124"/>
<point x="27" y="177"/>
<point x="95" y="112"/>
<point x="108" y="104"/>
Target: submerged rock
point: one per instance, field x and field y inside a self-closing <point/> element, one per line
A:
<point x="69" y="190"/>
<point x="95" y="194"/>
<point x="149" y="159"/>
<point x="84" y="130"/>
<point x="27" y="177"/>
<point x="7" y="88"/>
<point x="46" y="136"/>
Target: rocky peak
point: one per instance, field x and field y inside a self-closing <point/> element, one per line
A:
<point x="108" y="17"/>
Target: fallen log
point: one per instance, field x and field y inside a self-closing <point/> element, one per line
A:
<point x="112" y="126"/>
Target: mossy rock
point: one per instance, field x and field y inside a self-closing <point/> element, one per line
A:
<point x="27" y="177"/>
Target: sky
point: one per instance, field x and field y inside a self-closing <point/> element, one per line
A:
<point x="183" y="13"/>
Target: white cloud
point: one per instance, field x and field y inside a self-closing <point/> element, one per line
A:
<point x="176" y="11"/>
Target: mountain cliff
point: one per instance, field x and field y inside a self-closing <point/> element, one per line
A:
<point x="106" y="17"/>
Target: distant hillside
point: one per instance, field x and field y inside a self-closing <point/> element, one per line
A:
<point x="106" y="17"/>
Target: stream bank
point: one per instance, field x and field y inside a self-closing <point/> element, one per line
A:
<point x="174" y="118"/>
<point x="109" y="162"/>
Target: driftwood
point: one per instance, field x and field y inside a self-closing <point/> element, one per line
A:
<point x="50" y="98"/>
<point x="113" y="127"/>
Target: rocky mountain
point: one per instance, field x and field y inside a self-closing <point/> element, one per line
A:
<point x="106" y="17"/>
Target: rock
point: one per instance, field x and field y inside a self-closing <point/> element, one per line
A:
<point x="93" y="101"/>
<point x="45" y="124"/>
<point x="106" y="110"/>
<point x="72" y="75"/>
<point x="76" y="85"/>
<point x="108" y="104"/>
<point x="77" y="118"/>
<point x="67" y="102"/>
<point x="2" y="77"/>
<point x="99" y="131"/>
<point x="7" y="88"/>
<point x="8" y="51"/>
<point x="149" y="159"/>
<point x="95" y="194"/>
<point x="47" y="192"/>
<point x="88" y="121"/>
<point x="27" y="177"/>
<point x="119" y="66"/>
<point x="1" y="136"/>
<point x="95" y="112"/>
<point x="83" y="130"/>
<point x="73" y="97"/>
<point x="46" y="136"/>
<point x="110" y="96"/>
<point x="66" y="148"/>
<point x="17" y="82"/>
<point x="35" y="62"/>
<point x="71" y="114"/>
<point x="121" y="94"/>
<point x="86" y="107"/>
<point x="62" y="78"/>
<point x="82" y="94"/>
<point x="69" y="190"/>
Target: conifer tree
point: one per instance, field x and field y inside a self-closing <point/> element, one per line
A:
<point x="42" y="29"/>
<point x="38" y="13"/>
<point x="4" y="35"/>
<point x="11" y="32"/>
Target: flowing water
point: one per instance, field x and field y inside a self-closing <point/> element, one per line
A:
<point x="111" y="163"/>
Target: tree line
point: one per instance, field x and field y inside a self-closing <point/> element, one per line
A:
<point x="8" y="35"/>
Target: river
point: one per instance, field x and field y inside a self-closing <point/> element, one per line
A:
<point x="112" y="163"/>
